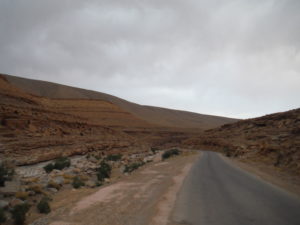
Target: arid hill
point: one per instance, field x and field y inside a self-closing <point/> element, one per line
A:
<point x="153" y="115"/>
<point x="42" y="121"/>
<point x="272" y="140"/>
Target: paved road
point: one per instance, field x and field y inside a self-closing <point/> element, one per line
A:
<point x="217" y="193"/>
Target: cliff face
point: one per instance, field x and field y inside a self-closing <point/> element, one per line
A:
<point x="273" y="139"/>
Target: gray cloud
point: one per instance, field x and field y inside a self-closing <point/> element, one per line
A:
<point x="232" y="58"/>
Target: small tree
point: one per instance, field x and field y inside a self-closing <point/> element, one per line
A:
<point x="61" y="163"/>
<point x="170" y="153"/>
<point x="103" y="171"/>
<point x="19" y="213"/>
<point x="43" y="206"/>
<point x="49" y="167"/>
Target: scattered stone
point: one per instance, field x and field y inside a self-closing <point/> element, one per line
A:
<point x="53" y="190"/>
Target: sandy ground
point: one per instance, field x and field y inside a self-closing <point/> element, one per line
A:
<point x="147" y="196"/>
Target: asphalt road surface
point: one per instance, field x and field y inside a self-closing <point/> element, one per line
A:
<point x="218" y="193"/>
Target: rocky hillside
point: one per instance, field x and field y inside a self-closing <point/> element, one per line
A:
<point x="35" y="129"/>
<point x="272" y="139"/>
<point x="153" y="115"/>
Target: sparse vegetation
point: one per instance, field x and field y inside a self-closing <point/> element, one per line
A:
<point x="2" y="216"/>
<point x="6" y="173"/>
<point x="77" y="182"/>
<point x="49" y="167"/>
<point x="62" y="163"/>
<point x="19" y="213"/>
<point x="43" y="206"/>
<point x="114" y="157"/>
<point x="59" y="164"/>
<point x="103" y="171"/>
<point x="170" y="153"/>
<point x="133" y="166"/>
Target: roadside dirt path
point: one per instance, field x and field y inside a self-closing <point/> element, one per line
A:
<point x="147" y="196"/>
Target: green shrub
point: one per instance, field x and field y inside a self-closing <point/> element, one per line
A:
<point x="77" y="182"/>
<point x="115" y="157"/>
<point x="103" y="171"/>
<point x="58" y="164"/>
<point x="49" y="167"/>
<point x="2" y="216"/>
<point x="170" y="153"/>
<point x="131" y="167"/>
<point x="19" y="213"/>
<point x="62" y="163"/>
<point x="6" y="173"/>
<point x="43" y="206"/>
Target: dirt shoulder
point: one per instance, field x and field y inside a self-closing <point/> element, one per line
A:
<point x="146" y="196"/>
<point x="271" y="174"/>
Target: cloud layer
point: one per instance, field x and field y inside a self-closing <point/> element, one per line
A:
<point x="234" y="58"/>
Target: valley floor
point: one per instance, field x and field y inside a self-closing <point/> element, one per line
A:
<point x="146" y="196"/>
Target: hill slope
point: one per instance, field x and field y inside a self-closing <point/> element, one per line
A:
<point x="150" y="114"/>
<point x="272" y="139"/>
<point x="35" y="129"/>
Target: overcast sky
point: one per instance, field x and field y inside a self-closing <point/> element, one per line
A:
<point x="236" y="58"/>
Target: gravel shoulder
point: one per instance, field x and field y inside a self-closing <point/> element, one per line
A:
<point x="269" y="174"/>
<point x="145" y="197"/>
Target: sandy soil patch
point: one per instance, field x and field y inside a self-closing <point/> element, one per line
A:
<point x="165" y="206"/>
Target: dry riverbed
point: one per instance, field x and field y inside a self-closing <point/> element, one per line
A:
<point x="146" y="196"/>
